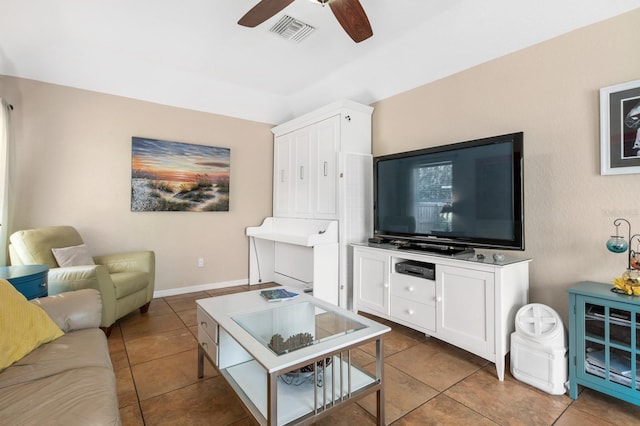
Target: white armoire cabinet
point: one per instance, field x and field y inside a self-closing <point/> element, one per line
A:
<point x="322" y="177"/>
<point x="305" y="181"/>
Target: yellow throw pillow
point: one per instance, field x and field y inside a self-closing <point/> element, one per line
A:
<point x="23" y="325"/>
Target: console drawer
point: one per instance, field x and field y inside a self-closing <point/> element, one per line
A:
<point x="208" y="345"/>
<point x="207" y="325"/>
<point x="419" y="314"/>
<point x="417" y="289"/>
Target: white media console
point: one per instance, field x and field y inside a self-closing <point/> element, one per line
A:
<point x="470" y="304"/>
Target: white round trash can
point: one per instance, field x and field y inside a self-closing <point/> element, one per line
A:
<point x="539" y="349"/>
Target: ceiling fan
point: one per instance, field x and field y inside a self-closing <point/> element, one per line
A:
<point x="349" y="14"/>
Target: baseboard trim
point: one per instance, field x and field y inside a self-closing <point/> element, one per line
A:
<point x="196" y="288"/>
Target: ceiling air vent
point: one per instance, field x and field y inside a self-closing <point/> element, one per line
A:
<point x="292" y="29"/>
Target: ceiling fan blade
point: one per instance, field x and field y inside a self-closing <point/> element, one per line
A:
<point x="263" y="11"/>
<point x="353" y="19"/>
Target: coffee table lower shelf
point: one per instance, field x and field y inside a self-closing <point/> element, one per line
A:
<point x="296" y="400"/>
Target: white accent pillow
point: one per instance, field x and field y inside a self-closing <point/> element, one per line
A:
<point x="73" y="256"/>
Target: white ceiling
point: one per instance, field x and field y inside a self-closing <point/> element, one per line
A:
<point x="192" y="53"/>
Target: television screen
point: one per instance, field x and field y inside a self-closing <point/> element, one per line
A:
<point x="467" y="194"/>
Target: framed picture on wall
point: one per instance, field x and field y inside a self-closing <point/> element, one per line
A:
<point x="177" y="176"/>
<point x="620" y="129"/>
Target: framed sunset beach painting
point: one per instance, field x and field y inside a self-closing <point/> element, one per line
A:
<point x="176" y="176"/>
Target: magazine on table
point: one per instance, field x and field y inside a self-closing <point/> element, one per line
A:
<point x="278" y="294"/>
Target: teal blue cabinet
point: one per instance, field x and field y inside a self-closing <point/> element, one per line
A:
<point x="604" y="341"/>
<point x="30" y="280"/>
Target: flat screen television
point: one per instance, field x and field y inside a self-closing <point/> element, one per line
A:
<point x="453" y="198"/>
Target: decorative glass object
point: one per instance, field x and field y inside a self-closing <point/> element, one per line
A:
<point x="628" y="283"/>
<point x="617" y="244"/>
<point x="634" y="263"/>
<point x="632" y="275"/>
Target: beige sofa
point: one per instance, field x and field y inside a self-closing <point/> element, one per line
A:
<point x="68" y="381"/>
<point x="125" y="280"/>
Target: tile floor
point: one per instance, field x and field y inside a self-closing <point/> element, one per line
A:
<point x="428" y="382"/>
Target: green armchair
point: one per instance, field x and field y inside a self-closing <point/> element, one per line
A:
<point x="125" y="281"/>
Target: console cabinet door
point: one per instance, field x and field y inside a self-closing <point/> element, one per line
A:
<point x="371" y="282"/>
<point x="465" y="309"/>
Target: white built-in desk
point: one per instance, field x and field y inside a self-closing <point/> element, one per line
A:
<point x="301" y="253"/>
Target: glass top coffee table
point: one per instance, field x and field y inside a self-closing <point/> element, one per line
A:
<point x="289" y="362"/>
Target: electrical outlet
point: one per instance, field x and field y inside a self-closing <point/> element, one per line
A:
<point x="201" y="262"/>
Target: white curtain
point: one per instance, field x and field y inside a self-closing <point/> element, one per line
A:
<point x="6" y="153"/>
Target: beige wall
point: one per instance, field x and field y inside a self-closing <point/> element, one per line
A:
<point x="549" y="91"/>
<point x="73" y="166"/>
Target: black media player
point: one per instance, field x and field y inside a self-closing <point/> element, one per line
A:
<point x="417" y="269"/>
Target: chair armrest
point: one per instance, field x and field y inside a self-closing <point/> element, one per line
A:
<point x="137" y="261"/>
<point x="62" y="280"/>
<point x="73" y="310"/>
<point x="73" y="278"/>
